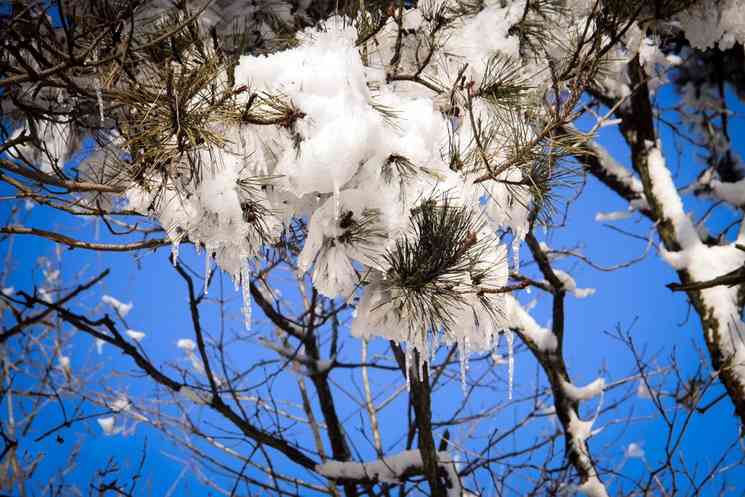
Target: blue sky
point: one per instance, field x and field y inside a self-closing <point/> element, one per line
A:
<point x="633" y="299"/>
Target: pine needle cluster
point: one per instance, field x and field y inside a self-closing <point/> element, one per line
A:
<point x="361" y="230"/>
<point x="172" y="116"/>
<point x="437" y="268"/>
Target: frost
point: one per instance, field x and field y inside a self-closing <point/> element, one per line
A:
<point x="121" y="308"/>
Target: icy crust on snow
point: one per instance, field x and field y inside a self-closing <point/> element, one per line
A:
<point x="391" y="469"/>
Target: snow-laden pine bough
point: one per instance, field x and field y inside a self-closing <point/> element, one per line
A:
<point x="392" y="151"/>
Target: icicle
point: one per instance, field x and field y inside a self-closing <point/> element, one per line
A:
<point x="337" y="202"/>
<point x="407" y="361"/>
<point x="99" y="94"/>
<point x="174" y="251"/>
<point x="510" y="362"/>
<point x="464" y="351"/>
<point x="420" y="363"/>
<point x="246" y="285"/>
<point x="207" y="259"/>
<point x="99" y="97"/>
<point x="462" y="356"/>
<point x="516" y="251"/>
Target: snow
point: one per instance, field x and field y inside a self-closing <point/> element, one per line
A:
<point x="63" y="362"/>
<point x="57" y="140"/>
<point x="542" y="338"/>
<point x="603" y="217"/>
<point x="704" y="263"/>
<point x="121" y="403"/>
<point x="712" y="23"/>
<point x="107" y="425"/>
<point x="587" y="392"/>
<point x="579" y="431"/>
<point x="390" y="469"/>
<point x="634" y="451"/>
<point x="666" y="194"/>
<point x="593" y="487"/>
<point x="571" y="286"/>
<point x="642" y="391"/>
<point x="344" y="119"/>
<point x="186" y="344"/>
<point x="135" y="335"/>
<point x="617" y="171"/>
<point x="734" y="193"/>
<point x="121" y="308"/>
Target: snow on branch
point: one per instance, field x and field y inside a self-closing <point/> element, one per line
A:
<point x="666" y="195"/>
<point x="391" y="469"/>
<point x="584" y="393"/>
<point x="539" y="337"/>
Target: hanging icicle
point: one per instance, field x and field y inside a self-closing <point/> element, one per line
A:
<point x="408" y="356"/>
<point x="337" y="202"/>
<point x="516" y="251"/>
<point x="174" y="251"/>
<point x="99" y="93"/>
<point x="510" y="362"/>
<point x="246" y="287"/>
<point x="207" y="260"/>
<point x="463" y="358"/>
